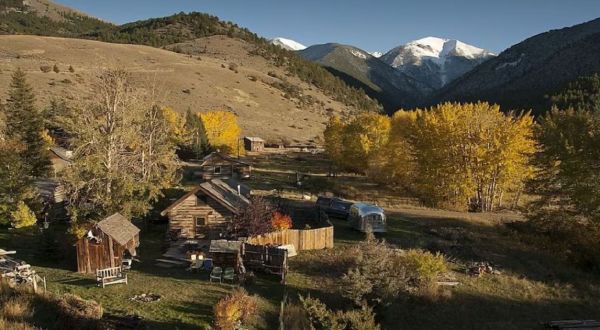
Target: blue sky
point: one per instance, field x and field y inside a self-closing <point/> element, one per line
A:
<point x="370" y="25"/>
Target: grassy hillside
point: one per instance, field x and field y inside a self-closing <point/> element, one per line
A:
<point x="42" y="17"/>
<point x="225" y="75"/>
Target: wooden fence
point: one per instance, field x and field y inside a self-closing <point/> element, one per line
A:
<point x="302" y="239"/>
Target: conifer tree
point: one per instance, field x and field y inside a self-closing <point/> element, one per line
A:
<point x="25" y="124"/>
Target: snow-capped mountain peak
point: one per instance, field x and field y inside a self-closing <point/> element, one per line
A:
<point x="435" y="60"/>
<point x="376" y="54"/>
<point x="287" y="44"/>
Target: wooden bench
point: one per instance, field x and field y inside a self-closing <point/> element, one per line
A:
<point x="111" y="275"/>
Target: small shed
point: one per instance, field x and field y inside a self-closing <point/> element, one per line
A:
<point x="218" y="165"/>
<point x="255" y="144"/>
<point x="226" y="253"/>
<point x="61" y="158"/>
<point x="106" y="243"/>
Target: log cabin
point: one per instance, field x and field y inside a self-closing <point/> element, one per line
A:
<point x="218" y="165"/>
<point x="203" y="212"/>
<point x="106" y="243"/>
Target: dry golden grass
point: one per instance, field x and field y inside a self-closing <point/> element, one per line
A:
<point x="181" y="81"/>
<point x="17" y="308"/>
<point x="14" y="325"/>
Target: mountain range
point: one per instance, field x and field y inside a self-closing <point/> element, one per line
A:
<point x="415" y="74"/>
<point x="432" y="70"/>
<point x="403" y="77"/>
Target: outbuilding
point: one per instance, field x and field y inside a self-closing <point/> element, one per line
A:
<point x="106" y="244"/>
<point x="218" y="165"/>
<point x="254" y="144"/>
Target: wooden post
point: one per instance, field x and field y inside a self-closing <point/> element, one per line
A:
<point x="111" y="251"/>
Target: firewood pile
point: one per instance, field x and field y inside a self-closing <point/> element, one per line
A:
<point x="17" y="272"/>
<point x="146" y="297"/>
<point x="478" y="269"/>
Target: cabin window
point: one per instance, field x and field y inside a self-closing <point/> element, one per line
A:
<point x="217" y="169"/>
<point x="201" y="221"/>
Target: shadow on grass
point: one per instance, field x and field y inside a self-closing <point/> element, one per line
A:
<point x="469" y="311"/>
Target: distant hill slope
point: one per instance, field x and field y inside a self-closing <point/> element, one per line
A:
<point x="42" y="17"/>
<point x="178" y="28"/>
<point x="521" y="76"/>
<point x="225" y="75"/>
<point x="360" y="69"/>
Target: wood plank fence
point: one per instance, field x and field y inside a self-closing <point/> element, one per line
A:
<point x="302" y="239"/>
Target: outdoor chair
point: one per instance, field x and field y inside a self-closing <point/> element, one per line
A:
<point x="229" y="274"/>
<point x="196" y="264"/>
<point x="216" y="274"/>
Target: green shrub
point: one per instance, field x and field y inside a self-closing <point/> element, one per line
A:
<point x="424" y="266"/>
<point x="23" y="216"/>
<point x="380" y="274"/>
<point x="322" y="318"/>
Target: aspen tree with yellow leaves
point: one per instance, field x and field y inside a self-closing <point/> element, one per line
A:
<point x="222" y="130"/>
<point x="471" y="153"/>
<point x="364" y="137"/>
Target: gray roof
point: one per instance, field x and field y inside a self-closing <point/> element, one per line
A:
<point x="254" y="139"/>
<point x="224" y="246"/>
<point x="119" y="228"/>
<point x="225" y="194"/>
<point x="222" y="156"/>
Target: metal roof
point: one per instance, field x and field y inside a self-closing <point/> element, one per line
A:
<point x="364" y="209"/>
<point x="225" y="246"/>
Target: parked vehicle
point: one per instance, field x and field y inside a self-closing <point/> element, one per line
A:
<point x="367" y="217"/>
<point x="333" y="207"/>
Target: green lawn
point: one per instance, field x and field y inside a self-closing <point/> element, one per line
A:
<point x="533" y="287"/>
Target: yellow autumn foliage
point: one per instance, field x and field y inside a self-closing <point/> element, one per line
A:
<point x="452" y="155"/>
<point x="176" y="124"/>
<point x="222" y="130"/>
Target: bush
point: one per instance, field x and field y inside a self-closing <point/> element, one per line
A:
<point x="45" y="68"/>
<point x="23" y="216"/>
<point x="235" y="310"/>
<point x="423" y="266"/>
<point x="71" y="69"/>
<point x="281" y="221"/>
<point x="55" y="68"/>
<point x="380" y="274"/>
<point x="295" y="317"/>
<point x="320" y="317"/>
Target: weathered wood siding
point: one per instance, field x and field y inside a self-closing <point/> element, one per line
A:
<point x="107" y="253"/>
<point x="184" y="215"/>
<point x="229" y="169"/>
<point x="302" y="239"/>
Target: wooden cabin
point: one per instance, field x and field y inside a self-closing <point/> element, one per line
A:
<point x="203" y="213"/>
<point x="254" y="144"/>
<point x="106" y="243"/>
<point x="218" y="165"/>
<point x="60" y="158"/>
